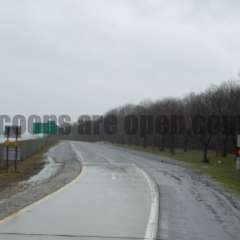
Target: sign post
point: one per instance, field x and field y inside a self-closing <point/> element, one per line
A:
<point x="12" y="146"/>
<point x="238" y="155"/>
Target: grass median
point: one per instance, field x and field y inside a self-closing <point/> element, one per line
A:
<point x="221" y="169"/>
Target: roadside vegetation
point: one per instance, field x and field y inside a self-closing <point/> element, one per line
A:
<point x="27" y="168"/>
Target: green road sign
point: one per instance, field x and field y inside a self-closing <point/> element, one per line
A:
<point x="49" y="127"/>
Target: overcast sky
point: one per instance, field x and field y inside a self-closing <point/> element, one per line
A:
<point x="87" y="56"/>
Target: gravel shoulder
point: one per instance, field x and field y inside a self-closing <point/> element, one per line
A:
<point x="60" y="167"/>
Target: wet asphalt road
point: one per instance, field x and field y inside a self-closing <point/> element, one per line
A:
<point x="115" y="198"/>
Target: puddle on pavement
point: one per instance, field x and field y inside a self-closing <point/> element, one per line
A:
<point x="49" y="170"/>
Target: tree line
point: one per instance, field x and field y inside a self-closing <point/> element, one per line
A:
<point x="206" y="120"/>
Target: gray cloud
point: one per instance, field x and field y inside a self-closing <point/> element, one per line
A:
<point x="86" y="56"/>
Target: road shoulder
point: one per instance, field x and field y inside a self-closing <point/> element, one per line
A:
<point x="61" y="168"/>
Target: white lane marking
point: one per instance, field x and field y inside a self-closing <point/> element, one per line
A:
<point x="152" y="226"/>
<point x="29" y="207"/>
<point x="78" y="153"/>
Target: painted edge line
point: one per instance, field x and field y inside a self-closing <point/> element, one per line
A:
<point x="153" y="221"/>
<point x="24" y="209"/>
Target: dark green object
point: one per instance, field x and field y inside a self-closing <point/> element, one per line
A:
<point x="49" y="127"/>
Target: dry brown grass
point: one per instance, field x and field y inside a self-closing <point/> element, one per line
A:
<point x="26" y="168"/>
